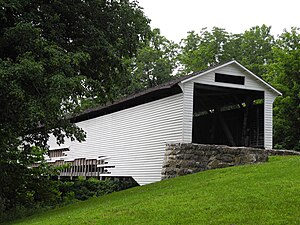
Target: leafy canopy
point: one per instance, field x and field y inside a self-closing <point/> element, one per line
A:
<point x="155" y="63"/>
<point x="55" y="56"/>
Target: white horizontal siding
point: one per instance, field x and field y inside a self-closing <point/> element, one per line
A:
<point x="268" y="118"/>
<point x="188" y="103"/>
<point x="133" y="139"/>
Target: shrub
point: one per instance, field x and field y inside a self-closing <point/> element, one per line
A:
<point x="82" y="189"/>
<point x="52" y="193"/>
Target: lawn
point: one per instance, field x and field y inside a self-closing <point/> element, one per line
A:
<point x="267" y="193"/>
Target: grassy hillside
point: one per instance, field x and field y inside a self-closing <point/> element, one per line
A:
<point x="267" y="193"/>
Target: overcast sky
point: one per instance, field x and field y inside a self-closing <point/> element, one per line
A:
<point x="176" y="17"/>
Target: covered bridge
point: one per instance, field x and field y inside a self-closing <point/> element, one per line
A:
<point x="226" y="104"/>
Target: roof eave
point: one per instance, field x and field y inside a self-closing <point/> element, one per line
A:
<point x="260" y="79"/>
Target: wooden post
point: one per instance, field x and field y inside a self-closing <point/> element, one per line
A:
<point x="245" y="122"/>
<point x="213" y="128"/>
<point x="257" y="126"/>
<point x="225" y="127"/>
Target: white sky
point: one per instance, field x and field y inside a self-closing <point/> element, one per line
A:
<point x="176" y="17"/>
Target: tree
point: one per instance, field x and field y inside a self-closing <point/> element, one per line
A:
<point x="54" y="54"/>
<point x="199" y="51"/>
<point x="154" y="63"/>
<point x="253" y="48"/>
<point x="284" y="73"/>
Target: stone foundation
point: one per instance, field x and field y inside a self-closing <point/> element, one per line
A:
<point x="182" y="159"/>
<point x="281" y="152"/>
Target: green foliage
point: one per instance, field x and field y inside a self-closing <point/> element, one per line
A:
<point x="82" y="189"/>
<point x="265" y="193"/>
<point x="253" y="48"/>
<point x="54" y="57"/>
<point x="154" y="63"/>
<point x="46" y="194"/>
<point x="86" y="188"/>
<point x="284" y="73"/>
<point x="199" y="51"/>
<point x="33" y="196"/>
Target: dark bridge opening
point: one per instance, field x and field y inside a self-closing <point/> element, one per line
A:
<point x="228" y="116"/>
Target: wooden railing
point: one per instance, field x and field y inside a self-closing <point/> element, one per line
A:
<point x="83" y="167"/>
<point x="57" y="152"/>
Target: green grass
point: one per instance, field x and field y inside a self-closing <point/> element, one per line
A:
<point x="266" y="193"/>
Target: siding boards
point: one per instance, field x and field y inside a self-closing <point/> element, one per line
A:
<point x="188" y="92"/>
<point x="268" y="108"/>
<point x="133" y="139"/>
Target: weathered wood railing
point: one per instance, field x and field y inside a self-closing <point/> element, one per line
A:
<point x="77" y="167"/>
<point x="83" y="167"/>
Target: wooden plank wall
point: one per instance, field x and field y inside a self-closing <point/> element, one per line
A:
<point x="134" y="139"/>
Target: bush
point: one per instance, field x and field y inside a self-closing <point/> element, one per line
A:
<point x="82" y="189"/>
<point x="52" y="193"/>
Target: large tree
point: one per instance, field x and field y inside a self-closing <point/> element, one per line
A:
<point x="199" y="51"/>
<point x="154" y="63"/>
<point x="284" y="73"/>
<point x="253" y="48"/>
<point x="53" y="56"/>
